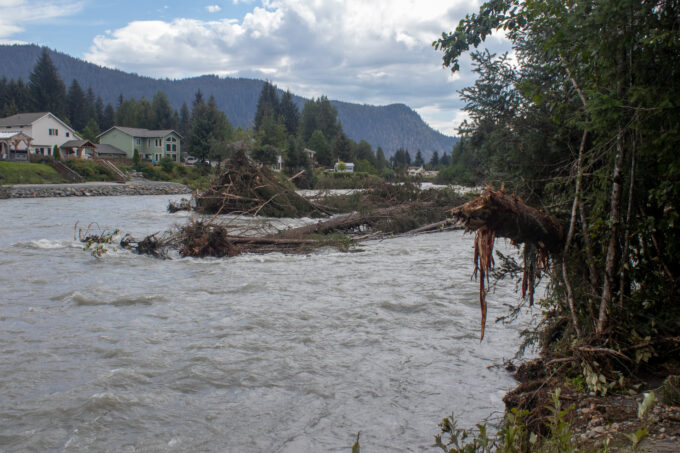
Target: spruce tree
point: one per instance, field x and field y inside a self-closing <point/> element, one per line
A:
<point x="76" y="110"/>
<point x="164" y="116"/>
<point x="47" y="90"/>
<point x="419" y="161"/>
<point x="267" y="104"/>
<point x="289" y="113"/>
<point x="108" y="118"/>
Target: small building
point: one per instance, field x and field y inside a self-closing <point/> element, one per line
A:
<point x="10" y="145"/>
<point x="44" y="129"/>
<point x="416" y="171"/>
<point x="311" y="153"/>
<point x="343" y="167"/>
<point x="82" y="149"/>
<point x="153" y="145"/>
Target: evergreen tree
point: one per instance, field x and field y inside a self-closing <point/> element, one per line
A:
<point x="91" y="130"/>
<point x="184" y="120"/>
<point x="99" y="112"/>
<point x="327" y="118"/>
<point x="208" y="126"/>
<point x="318" y="143"/>
<point x="401" y="159"/>
<point x="365" y="152"/>
<point x="319" y="114"/>
<point x="418" y="161"/>
<point x="126" y="115"/>
<point x="164" y="116"/>
<point x="91" y="105"/>
<point x="267" y="104"/>
<point x="289" y="112"/>
<point x="47" y="91"/>
<point x="342" y="148"/>
<point x="145" y="114"/>
<point x="380" y="161"/>
<point x="445" y="161"/>
<point x="308" y="124"/>
<point x="434" y="161"/>
<point x="76" y="110"/>
<point x="108" y="118"/>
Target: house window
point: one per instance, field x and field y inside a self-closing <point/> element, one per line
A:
<point x="67" y="134"/>
<point x="167" y="147"/>
<point x="138" y="141"/>
<point x="174" y="147"/>
<point x="158" y="142"/>
<point x="53" y="132"/>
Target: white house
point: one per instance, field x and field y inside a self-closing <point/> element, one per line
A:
<point x="343" y="167"/>
<point x="44" y="129"/>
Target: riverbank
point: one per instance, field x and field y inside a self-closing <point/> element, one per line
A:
<point x="593" y="419"/>
<point x="93" y="189"/>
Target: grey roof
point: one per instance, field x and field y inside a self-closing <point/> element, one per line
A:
<point x="144" y="133"/>
<point x="109" y="150"/>
<point x="21" y="119"/>
<point x="78" y="144"/>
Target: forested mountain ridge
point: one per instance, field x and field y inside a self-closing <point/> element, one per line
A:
<point x="390" y="127"/>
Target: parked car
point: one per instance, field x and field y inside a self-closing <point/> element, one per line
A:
<point x="190" y="160"/>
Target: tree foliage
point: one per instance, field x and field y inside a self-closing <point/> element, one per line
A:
<point x="47" y="90"/>
<point x="586" y="123"/>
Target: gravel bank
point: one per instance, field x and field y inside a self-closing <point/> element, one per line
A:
<point x="93" y="189"/>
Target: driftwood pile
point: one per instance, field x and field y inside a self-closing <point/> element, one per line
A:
<point x="244" y="187"/>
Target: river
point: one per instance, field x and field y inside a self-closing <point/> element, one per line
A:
<point x="275" y="353"/>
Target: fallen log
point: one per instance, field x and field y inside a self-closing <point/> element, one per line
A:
<point x="353" y="220"/>
<point x="446" y="224"/>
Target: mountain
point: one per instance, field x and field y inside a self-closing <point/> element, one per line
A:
<point x="391" y="126"/>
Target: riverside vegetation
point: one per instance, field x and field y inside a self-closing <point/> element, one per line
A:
<point x="585" y="125"/>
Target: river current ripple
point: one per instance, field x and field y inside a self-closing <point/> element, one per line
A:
<point x="273" y="353"/>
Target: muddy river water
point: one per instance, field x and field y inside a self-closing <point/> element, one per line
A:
<point x="273" y="353"/>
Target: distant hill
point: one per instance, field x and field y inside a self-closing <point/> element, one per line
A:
<point x="391" y="127"/>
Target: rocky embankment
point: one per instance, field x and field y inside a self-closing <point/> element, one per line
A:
<point x="93" y="189"/>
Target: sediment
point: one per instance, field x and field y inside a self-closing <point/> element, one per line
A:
<point x="141" y="187"/>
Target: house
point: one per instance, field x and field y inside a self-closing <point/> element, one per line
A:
<point x="343" y="167"/>
<point x="43" y="129"/>
<point x="152" y="145"/>
<point x="416" y="171"/>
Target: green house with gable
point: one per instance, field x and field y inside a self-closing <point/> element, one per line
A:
<point x="152" y="145"/>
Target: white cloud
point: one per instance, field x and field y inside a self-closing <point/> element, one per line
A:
<point x="376" y="52"/>
<point x="18" y="13"/>
<point x="213" y="8"/>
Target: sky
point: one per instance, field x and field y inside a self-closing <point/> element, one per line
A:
<point x="364" y="51"/>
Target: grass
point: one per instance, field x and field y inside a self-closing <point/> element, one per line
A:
<point x="197" y="177"/>
<point x="28" y="173"/>
<point x="347" y="181"/>
<point x="90" y="170"/>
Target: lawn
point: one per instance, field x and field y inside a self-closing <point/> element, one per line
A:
<point x="28" y="173"/>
